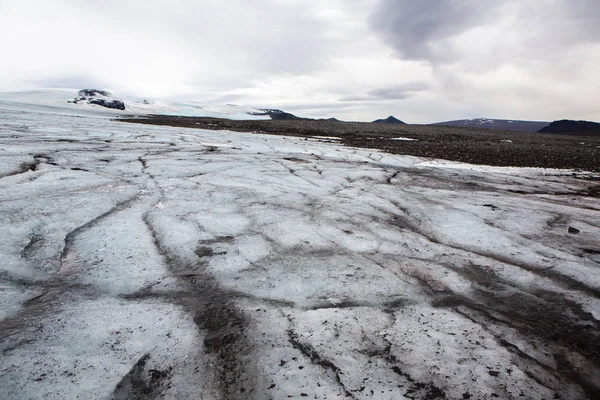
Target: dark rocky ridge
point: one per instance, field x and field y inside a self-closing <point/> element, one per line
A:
<point x="471" y="145"/>
<point x="567" y="126"/>
<point x="389" y="120"/>
<point x="329" y="119"/>
<point x="497" y="124"/>
<point x="276" y="114"/>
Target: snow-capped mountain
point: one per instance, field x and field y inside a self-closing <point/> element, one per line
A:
<point x="104" y="102"/>
<point x="499" y="124"/>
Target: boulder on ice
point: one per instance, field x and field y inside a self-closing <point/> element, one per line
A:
<point x="99" y="97"/>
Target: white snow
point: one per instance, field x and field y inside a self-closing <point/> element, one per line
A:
<point x="57" y="99"/>
<point x="357" y="273"/>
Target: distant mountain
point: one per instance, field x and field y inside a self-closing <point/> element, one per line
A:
<point x="566" y="126"/>
<point x="275" y="114"/>
<point x="329" y="119"/>
<point x="389" y="120"/>
<point x="499" y="124"/>
<point x="282" y="115"/>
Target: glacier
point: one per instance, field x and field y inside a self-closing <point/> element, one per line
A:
<point x="158" y="262"/>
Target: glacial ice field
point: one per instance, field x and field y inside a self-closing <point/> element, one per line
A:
<point x="154" y="262"/>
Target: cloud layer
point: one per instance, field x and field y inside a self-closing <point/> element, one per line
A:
<point x="530" y="59"/>
<point x="352" y="59"/>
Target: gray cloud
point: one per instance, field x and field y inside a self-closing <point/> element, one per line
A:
<point x="527" y="59"/>
<point x="422" y="60"/>
<point x="162" y="48"/>
<point x="415" y="28"/>
<point x="269" y="36"/>
<point x="70" y="82"/>
<point x="398" y="92"/>
<point x="425" y="30"/>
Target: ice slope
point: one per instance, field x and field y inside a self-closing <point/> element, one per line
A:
<point x="158" y="262"/>
<point x="57" y="99"/>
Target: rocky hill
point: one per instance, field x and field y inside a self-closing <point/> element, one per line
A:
<point x="498" y="124"/>
<point x="276" y="114"/>
<point x="566" y="126"/>
<point x="389" y="120"/>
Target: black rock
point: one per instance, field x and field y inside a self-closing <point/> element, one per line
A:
<point x="573" y="231"/>
<point x="99" y="97"/>
<point x="114" y="104"/>
<point x="567" y="126"/>
<point x="389" y="120"/>
<point x="93" y="92"/>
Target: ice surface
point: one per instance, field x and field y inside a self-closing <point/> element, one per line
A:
<point x="156" y="262"/>
<point x="57" y="101"/>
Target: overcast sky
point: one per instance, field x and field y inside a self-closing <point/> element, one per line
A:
<point x="421" y="61"/>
